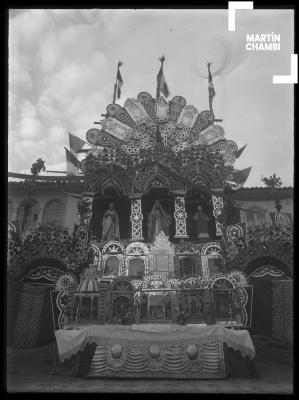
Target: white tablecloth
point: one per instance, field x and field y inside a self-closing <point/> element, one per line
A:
<point x="69" y="342"/>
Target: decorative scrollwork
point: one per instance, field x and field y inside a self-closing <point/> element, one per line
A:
<point x="222" y="281"/>
<point x="211" y="248"/>
<point x="238" y="277"/>
<point x="192" y="283"/>
<point x="92" y="136"/>
<point x="112" y="109"/>
<point x="203" y="120"/>
<point x="136" y="219"/>
<point x="187" y="117"/>
<point x="113" y="247"/>
<point x="137" y="249"/>
<point x="282" y="220"/>
<point x="66" y="281"/>
<point x="266" y="270"/>
<point x="180" y="216"/>
<point x="156" y="281"/>
<point x="217" y="211"/>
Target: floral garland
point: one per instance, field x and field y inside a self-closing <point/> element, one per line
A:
<point x="47" y="241"/>
<point x="211" y="160"/>
<point x="267" y="241"/>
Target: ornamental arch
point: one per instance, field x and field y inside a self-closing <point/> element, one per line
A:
<point x="272" y="281"/>
<point x="36" y="255"/>
<point x="30" y="319"/>
<point x="268" y="261"/>
<point x="256" y="254"/>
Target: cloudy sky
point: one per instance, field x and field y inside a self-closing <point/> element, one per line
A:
<point x="62" y="66"/>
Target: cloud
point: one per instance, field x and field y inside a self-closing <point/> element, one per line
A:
<point x="62" y="66"/>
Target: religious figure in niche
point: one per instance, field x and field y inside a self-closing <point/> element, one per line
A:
<point x="202" y="223"/>
<point x="158" y="220"/>
<point x="110" y="225"/>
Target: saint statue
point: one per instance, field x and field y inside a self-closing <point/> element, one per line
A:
<point x="202" y="223"/>
<point x="110" y="225"/>
<point x="158" y="220"/>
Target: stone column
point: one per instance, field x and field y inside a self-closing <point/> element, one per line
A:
<point x="136" y="217"/>
<point x="180" y="216"/>
<point x="217" y="211"/>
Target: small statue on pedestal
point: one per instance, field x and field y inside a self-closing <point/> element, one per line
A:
<point x="110" y="225"/>
<point x="202" y="223"/>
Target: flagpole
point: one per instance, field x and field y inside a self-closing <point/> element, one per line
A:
<point x="210" y="97"/>
<point x="115" y="86"/>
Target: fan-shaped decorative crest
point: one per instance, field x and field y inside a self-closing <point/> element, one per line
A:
<point x="170" y="132"/>
<point x="144" y="121"/>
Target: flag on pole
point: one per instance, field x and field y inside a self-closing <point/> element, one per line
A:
<point x="240" y="151"/>
<point x="240" y="177"/>
<point x="76" y="143"/>
<point x="72" y="163"/>
<point x="211" y="88"/>
<point x="119" y="80"/>
<point x="118" y="83"/>
<point x="161" y="82"/>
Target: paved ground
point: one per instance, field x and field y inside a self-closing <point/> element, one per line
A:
<point x="29" y="371"/>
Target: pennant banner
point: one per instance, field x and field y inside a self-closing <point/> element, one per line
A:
<point x="76" y="144"/>
<point x="211" y="85"/>
<point x="240" y="151"/>
<point x="119" y="81"/>
<point x="72" y="163"/>
<point x="161" y="82"/>
<point x="240" y="177"/>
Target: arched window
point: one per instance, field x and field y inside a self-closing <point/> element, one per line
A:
<point x="10" y="210"/>
<point x="54" y="212"/>
<point x="33" y="213"/>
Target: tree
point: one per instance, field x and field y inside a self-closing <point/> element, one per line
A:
<point x="38" y="167"/>
<point x="273" y="182"/>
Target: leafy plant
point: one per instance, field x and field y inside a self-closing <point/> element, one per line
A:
<point x="273" y="182"/>
<point x="38" y="167"/>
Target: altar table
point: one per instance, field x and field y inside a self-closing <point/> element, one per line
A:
<point x="154" y="351"/>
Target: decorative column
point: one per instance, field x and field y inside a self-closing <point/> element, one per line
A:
<point x="180" y="216"/>
<point x="136" y="217"/>
<point x="217" y="211"/>
<point x="85" y="208"/>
